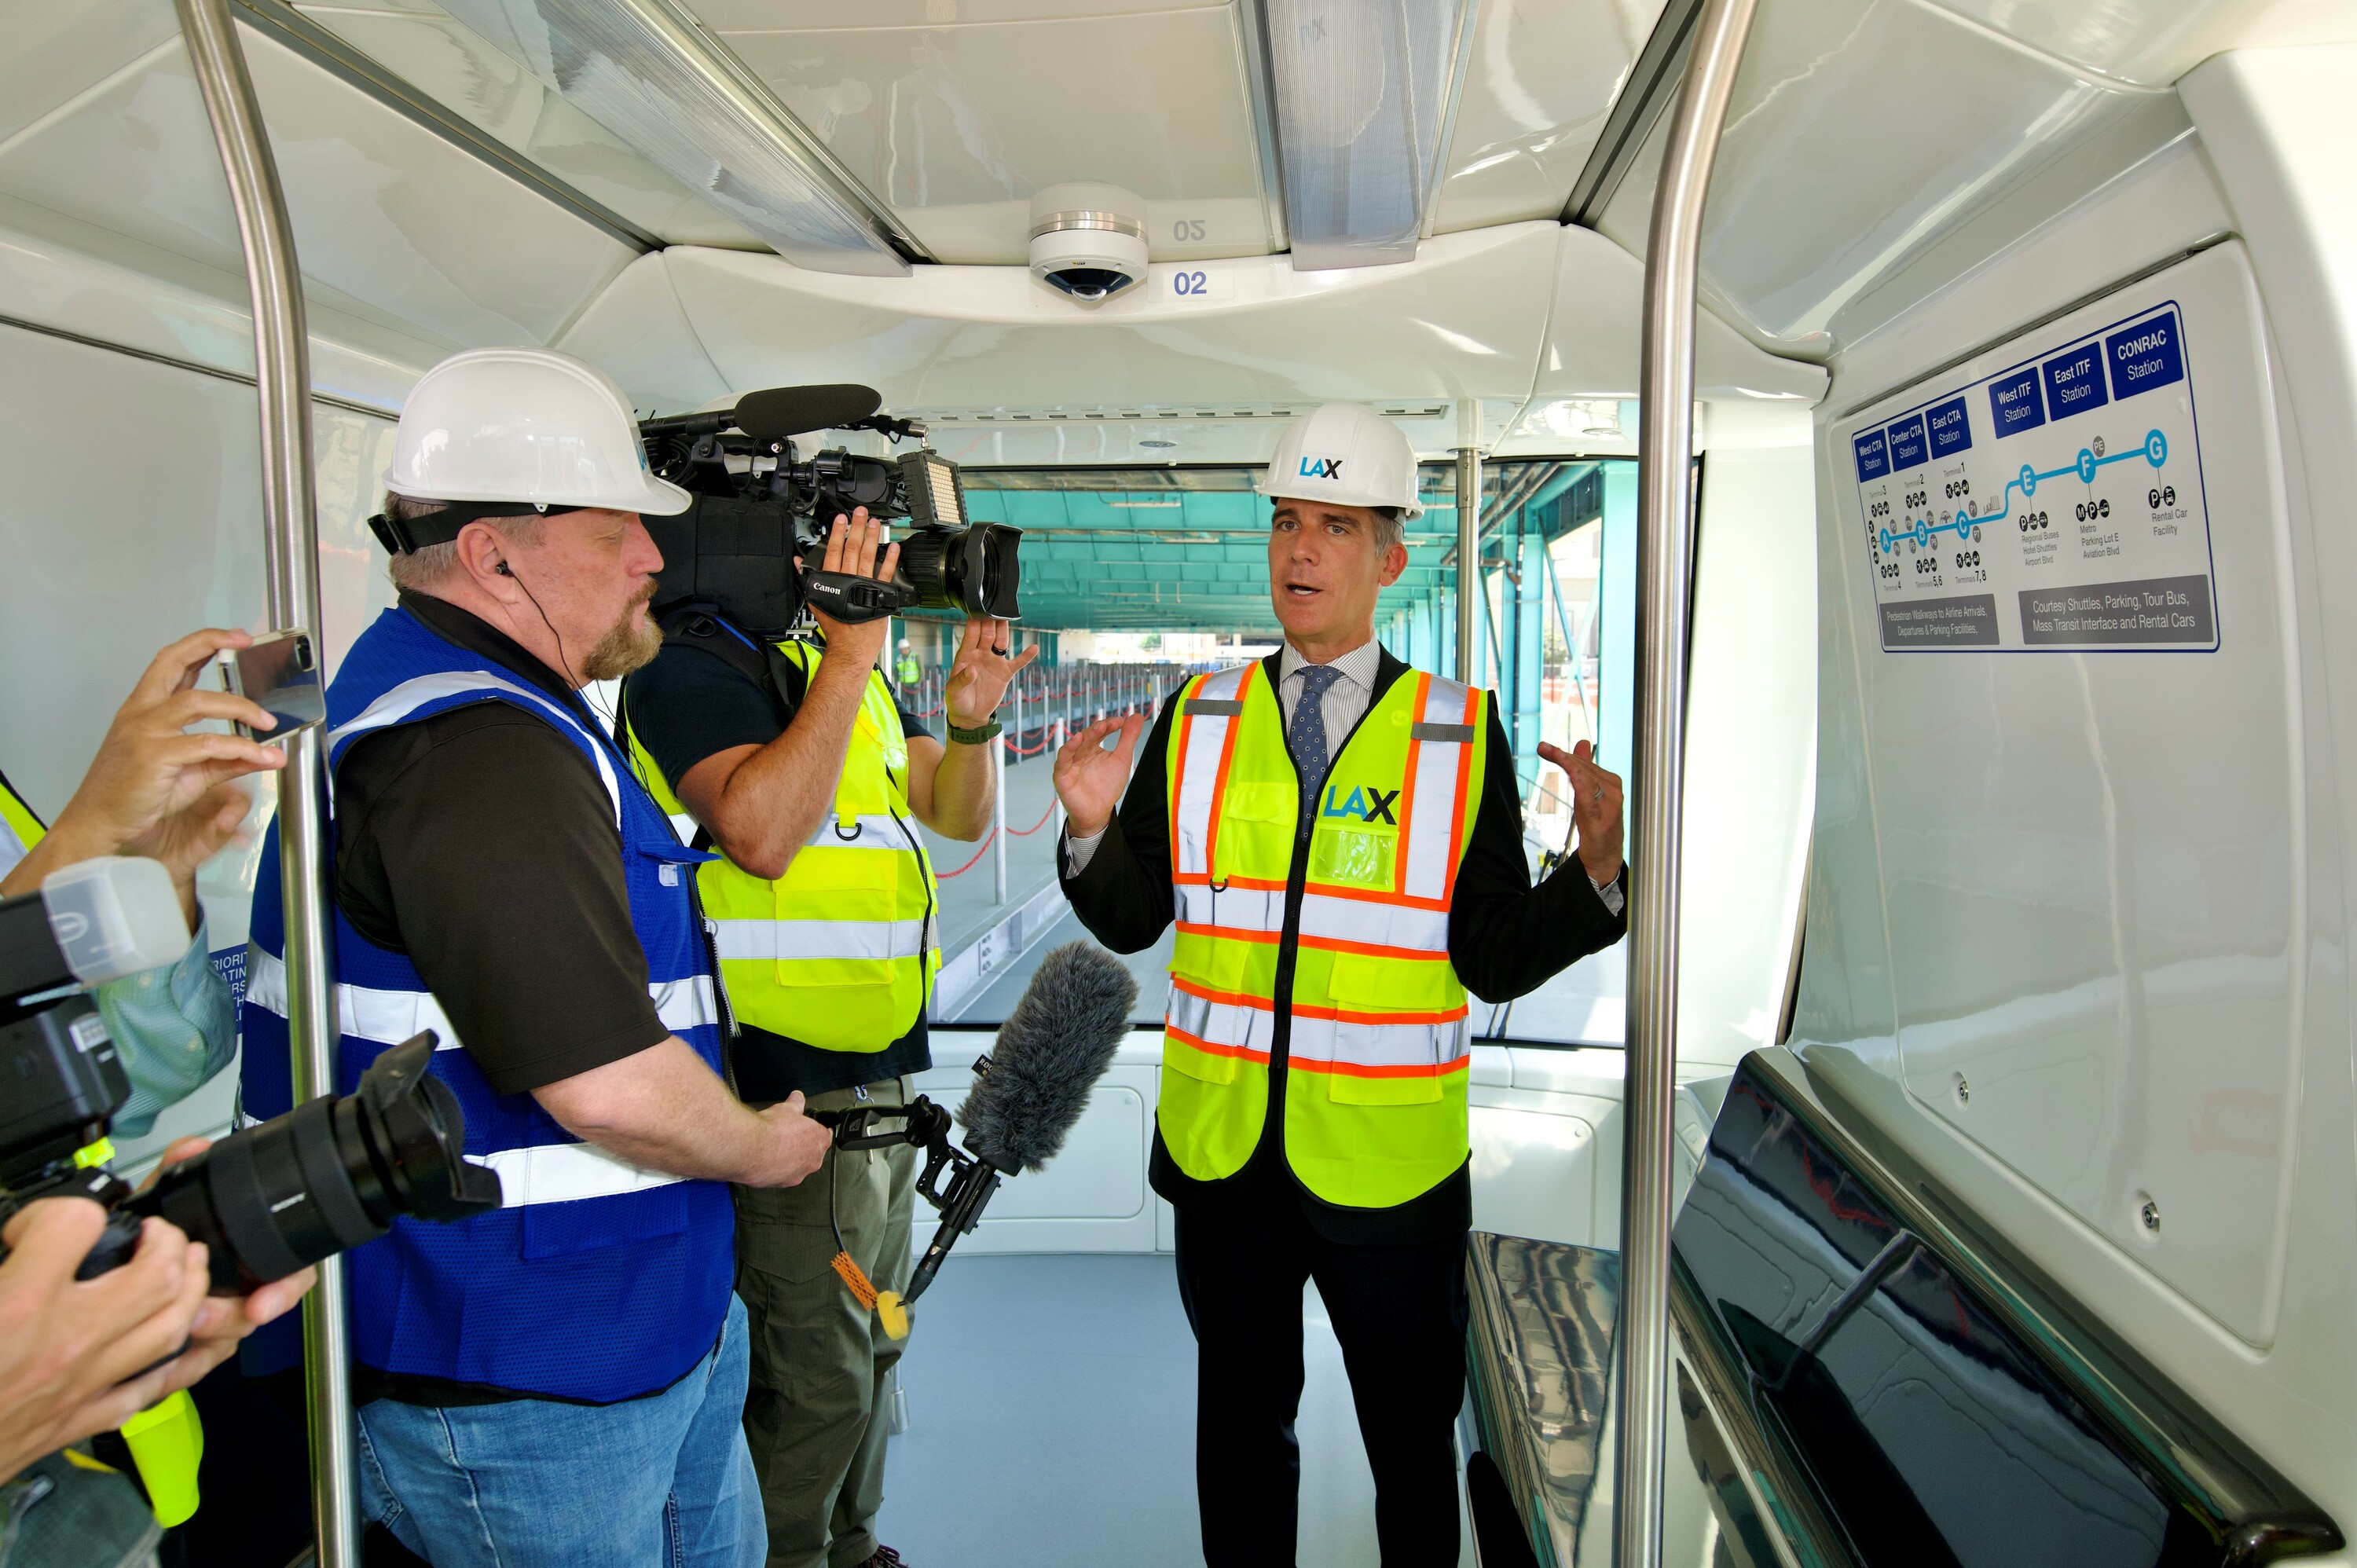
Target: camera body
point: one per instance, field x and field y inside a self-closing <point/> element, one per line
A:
<point x="750" y="544"/>
<point x="266" y="1201"/>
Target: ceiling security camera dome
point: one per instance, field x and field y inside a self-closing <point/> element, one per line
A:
<point x="1087" y="240"/>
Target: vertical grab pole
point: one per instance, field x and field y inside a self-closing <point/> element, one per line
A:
<point x="1472" y="596"/>
<point x="291" y="551"/>
<point x="1665" y="568"/>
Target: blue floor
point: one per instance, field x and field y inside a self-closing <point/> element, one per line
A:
<point x="1052" y="1420"/>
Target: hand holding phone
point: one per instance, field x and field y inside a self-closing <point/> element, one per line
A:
<point x="280" y="674"/>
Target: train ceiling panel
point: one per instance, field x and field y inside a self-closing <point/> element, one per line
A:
<point x="454" y="66"/>
<point x="123" y="169"/>
<point x="954" y="121"/>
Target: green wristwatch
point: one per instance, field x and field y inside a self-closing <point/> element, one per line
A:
<point x="974" y="737"/>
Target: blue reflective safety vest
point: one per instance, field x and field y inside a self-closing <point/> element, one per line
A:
<point x="597" y="1280"/>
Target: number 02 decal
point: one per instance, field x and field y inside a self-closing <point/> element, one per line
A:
<point x="1191" y="284"/>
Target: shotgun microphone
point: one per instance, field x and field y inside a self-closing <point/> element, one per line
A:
<point x="1027" y="1096"/>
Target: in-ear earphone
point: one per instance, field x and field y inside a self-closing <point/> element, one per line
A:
<point x="502" y="570"/>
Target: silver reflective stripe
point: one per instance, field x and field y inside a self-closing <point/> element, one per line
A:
<point x="1341" y="1047"/>
<point x="684" y="1005"/>
<point x="390" y="1018"/>
<point x="875" y="831"/>
<point x="362" y="1011"/>
<point x="564" y="1172"/>
<point x="781" y="942"/>
<point x="1199" y="769"/>
<point x="1372" y="923"/>
<point x="1462" y="734"/>
<point x="409" y="696"/>
<point x="1212" y="707"/>
<point x="1431" y="814"/>
<point x="1231" y="908"/>
<point x="1226" y="1024"/>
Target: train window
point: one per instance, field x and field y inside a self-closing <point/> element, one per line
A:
<point x="1136" y="580"/>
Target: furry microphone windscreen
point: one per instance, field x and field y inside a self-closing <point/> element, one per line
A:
<point x="1050" y="1052"/>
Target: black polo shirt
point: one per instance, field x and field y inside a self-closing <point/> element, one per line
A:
<point x="690" y="705"/>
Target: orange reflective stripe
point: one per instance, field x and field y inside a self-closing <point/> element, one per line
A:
<point x="1220" y="780"/>
<point x="1241" y="1053"/>
<point x="1353" y="1070"/>
<point x="1408" y="790"/>
<point x="1464" y="778"/>
<point x="1305" y="1010"/>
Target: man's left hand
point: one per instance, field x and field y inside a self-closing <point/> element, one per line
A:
<point x="978" y="678"/>
<point x="1595" y="809"/>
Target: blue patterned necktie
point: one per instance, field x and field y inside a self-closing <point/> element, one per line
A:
<point x="1305" y="735"/>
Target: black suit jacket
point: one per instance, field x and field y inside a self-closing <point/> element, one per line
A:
<point x="1506" y="939"/>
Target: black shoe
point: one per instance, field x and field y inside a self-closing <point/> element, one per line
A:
<point x="885" y="1558"/>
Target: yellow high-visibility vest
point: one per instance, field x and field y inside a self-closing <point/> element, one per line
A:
<point x="19" y="829"/>
<point x="838" y="952"/>
<point x="1376" y="1072"/>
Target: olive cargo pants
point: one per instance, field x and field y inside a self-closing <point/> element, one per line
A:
<point x="821" y="1360"/>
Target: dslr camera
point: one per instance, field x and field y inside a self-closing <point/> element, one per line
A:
<point x="267" y="1201"/>
<point x="750" y="546"/>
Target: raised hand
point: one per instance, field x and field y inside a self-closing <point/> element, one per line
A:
<point x="1089" y="778"/>
<point x="155" y="789"/>
<point x="979" y="676"/>
<point x="1595" y="808"/>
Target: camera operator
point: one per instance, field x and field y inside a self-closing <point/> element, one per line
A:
<point x="805" y="772"/>
<point x="562" y="1380"/>
<point x="67" y="1346"/>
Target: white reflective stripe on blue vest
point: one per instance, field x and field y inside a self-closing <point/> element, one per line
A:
<point x="410" y="696"/>
<point x="390" y="1018"/>
<point x="565" y="1173"/>
<point x="776" y="942"/>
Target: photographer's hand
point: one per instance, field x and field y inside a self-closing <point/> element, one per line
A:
<point x="66" y="1345"/>
<point x="154" y="789"/>
<point x="855" y="546"/>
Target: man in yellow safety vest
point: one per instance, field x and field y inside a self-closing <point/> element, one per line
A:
<point x="1338" y="839"/>
<point x="802" y="770"/>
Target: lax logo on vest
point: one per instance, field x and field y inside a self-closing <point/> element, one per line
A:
<point x="1366" y="804"/>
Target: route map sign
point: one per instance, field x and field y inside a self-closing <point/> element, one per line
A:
<point x="2055" y="506"/>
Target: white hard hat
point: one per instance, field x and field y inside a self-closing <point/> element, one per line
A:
<point x="526" y="426"/>
<point x="904" y="642"/>
<point x="1347" y="453"/>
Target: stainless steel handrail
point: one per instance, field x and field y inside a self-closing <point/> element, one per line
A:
<point x="291" y="556"/>
<point x="1472" y="593"/>
<point x="1665" y="559"/>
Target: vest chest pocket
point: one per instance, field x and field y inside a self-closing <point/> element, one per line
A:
<point x="1353" y="857"/>
<point x="1255" y="831"/>
<point x="1397" y="1061"/>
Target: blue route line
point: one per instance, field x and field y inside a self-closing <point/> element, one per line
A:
<point x="2154" y="450"/>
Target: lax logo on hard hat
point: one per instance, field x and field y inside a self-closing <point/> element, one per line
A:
<point x="1321" y="468"/>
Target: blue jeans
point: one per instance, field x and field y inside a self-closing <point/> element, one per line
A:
<point x="661" y="1482"/>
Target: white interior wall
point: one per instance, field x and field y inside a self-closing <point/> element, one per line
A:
<point x="2109" y="887"/>
<point x="133" y="514"/>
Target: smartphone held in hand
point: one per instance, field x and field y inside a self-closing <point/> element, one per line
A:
<point x="281" y="673"/>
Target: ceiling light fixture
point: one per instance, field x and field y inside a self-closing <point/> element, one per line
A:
<point x="1365" y="95"/>
<point x="650" y="73"/>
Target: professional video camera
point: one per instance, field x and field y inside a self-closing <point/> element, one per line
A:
<point x="328" y="1176"/>
<point x="750" y="546"/>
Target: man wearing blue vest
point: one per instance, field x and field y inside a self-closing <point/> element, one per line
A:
<point x="559" y="1382"/>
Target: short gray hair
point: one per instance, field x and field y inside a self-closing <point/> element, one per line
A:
<point x="419" y="570"/>
<point x="1391" y="526"/>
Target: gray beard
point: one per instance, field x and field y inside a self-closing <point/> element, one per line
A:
<point x="630" y="645"/>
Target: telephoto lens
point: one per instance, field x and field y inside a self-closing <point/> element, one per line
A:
<point x="327" y="1177"/>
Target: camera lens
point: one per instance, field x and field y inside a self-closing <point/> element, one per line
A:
<point x="972" y="570"/>
<point x="327" y="1177"/>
